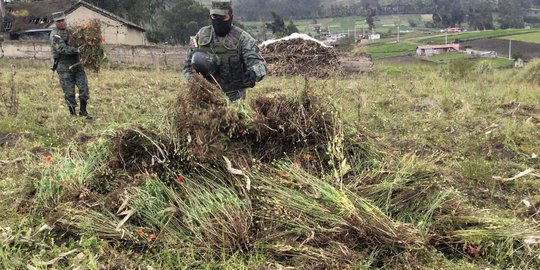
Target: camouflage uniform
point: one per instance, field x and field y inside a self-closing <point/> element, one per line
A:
<point x="236" y="53"/>
<point x="69" y="69"/>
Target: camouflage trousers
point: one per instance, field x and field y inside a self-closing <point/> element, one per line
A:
<point x="68" y="80"/>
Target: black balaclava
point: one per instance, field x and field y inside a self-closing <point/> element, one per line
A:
<point x="221" y="27"/>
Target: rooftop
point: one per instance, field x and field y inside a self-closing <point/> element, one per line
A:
<point x="440" y="46"/>
<point x="22" y="16"/>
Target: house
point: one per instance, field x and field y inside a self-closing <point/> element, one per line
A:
<point x="374" y="36"/>
<point x="429" y="50"/>
<point x="454" y="30"/>
<point x="519" y="63"/>
<point x="532" y="13"/>
<point x="33" y="21"/>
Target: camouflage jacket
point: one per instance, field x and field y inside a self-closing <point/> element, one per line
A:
<point x="237" y="42"/>
<point x="67" y="55"/>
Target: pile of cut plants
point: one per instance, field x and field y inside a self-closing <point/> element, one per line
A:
<point x="300" y="55"/>
<point x="282" y="177"/>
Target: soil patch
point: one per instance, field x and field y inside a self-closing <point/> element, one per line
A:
<point x="356" y="64"/>
<point x="9" y="139"/>
<point x="516" y="108"/>
<point x="407" y="59"/>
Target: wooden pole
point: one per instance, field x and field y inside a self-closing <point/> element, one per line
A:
<point x="510" y="49"/>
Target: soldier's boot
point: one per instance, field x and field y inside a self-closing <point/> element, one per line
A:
<point x="72" y="111"/>
<point x="83" y="111"/>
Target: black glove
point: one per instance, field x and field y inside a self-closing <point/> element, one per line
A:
<point x="250" y="78"/>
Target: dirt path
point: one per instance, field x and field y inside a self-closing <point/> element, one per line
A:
<point x="407" y="59"/>
<point x="352" y="65"/>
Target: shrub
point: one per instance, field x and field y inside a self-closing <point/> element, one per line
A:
<point x="517" y="55"/>
<point x="460" y="68"/>
<point x="531" y="73"/>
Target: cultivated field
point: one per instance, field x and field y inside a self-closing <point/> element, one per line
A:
<point x="475" y="35"/>
<point x="502" y="46"/>
<point x="530" y="37"/>
<point x="492" y="40"/>
<point x="413" y="166"/>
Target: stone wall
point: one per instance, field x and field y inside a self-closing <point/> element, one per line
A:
<point x="172" y="56"/>
<point x="40" y="50"/>
<point x="159" y="56"/>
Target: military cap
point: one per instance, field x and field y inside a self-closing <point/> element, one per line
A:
<point x="58" y="16"/>
<point x="220" y="7"/>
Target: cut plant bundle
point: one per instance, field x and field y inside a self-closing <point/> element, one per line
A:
<point x="88" y="38"/>
<point x="314" y="214"/>
<point x="270" y="127"/>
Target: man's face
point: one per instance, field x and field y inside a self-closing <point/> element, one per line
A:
<point x="61" y="24"/>
<point x="224" y="18"/>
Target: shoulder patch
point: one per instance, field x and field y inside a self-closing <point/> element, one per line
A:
<point x="205" y="35"/>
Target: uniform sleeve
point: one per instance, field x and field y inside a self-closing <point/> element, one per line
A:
<point x="193" y="45"/>
<point x="252" y="57"/>
<point x="60" y="47"/>
<point x="187" y="64"/>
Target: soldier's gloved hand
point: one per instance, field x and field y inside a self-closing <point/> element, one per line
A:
<point x="250" y="78"/>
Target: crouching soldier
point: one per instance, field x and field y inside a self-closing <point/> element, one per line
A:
<point x="69" y="67"/>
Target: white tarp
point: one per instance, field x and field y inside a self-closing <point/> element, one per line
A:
<point x="294" y="36"/>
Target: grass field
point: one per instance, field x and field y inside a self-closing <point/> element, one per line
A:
<point x="530" y="37"/>
<point x="381" y="50"/>
<point x="446" y="57"/>
<point x="427" y="167"/>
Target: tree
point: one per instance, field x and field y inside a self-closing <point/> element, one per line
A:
<point x="369" y="10"/>
<point x="511" y="13"/>
<point x="277" y="26"/>
<point x="412" y="22"/>
<point x="184" y="20"/>
<point x="258" y="9"/>
<point x="479" y="14"/>
<point x="448" y="13"/>
<point x="291" y="28"/>
<point x="370" y="19"/>
<point x="138" y="11"/>
<point x="517" y="55"/>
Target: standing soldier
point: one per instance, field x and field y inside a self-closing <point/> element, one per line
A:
<point x="68" y="66"/>
<point x="225" y="54"/>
